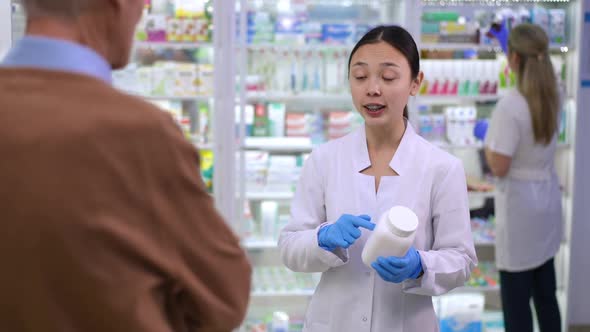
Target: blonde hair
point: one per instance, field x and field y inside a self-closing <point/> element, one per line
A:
<point x="58" y="8"/>
<point x="536" y="79"/>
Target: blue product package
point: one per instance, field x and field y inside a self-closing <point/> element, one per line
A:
<point x="451" y="325"/>
<point x="461" y="312"/>
<point x="337" y="33"/>
<point x="289" y="29"/>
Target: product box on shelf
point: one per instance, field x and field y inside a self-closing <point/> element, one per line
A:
<point x="338" y="33"/>
<point x="289" y="29"/>
<point x="155" y="27"/>
<point x="260" y="128"/>
<point x="174" y="29"/>
<point x="557" y="25"/>
<point x="461" y="312"/>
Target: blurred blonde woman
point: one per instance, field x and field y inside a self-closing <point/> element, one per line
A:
<point x="520" y="149"/>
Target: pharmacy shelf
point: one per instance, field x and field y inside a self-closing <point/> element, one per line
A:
<point x="268" y="195"/>
<point x="195" y="98"/>
<point x="563" y="48"/>
<point x="279" y="144"/>
<point x="294" y="293"/>
<point x="259" y="244"/>
<point x="324" y="98"/>
<point x="175" y="45"/>
<point x="453" y="99"/>
<point x="304" y="47"/>
<point x="458" y="46"/>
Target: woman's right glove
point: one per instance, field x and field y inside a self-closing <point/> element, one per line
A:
<point x="343" y="232"/>
<point x="500" y="32"/>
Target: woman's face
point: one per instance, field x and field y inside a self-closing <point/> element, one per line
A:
<point x="381" y="83"/>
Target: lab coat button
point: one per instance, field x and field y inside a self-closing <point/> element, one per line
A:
<point x="364" y="318"/>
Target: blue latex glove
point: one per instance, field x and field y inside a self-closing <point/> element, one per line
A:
<point x="398" y="269"/>
<point x="500" y="32"/>
<point x="480" y="129"/>
<point x="343" y="232"/>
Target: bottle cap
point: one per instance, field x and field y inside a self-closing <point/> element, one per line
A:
<point x="402" y="221"/>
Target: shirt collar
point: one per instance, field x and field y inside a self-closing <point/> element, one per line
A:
<point x="59" y="55"/>
<point x="399" y="163"/>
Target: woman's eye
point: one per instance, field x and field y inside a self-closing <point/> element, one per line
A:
<point x="360" y="78"/>
<point x="388" y="79"/>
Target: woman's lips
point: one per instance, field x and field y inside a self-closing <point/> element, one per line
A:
<point x="374" y="110"/>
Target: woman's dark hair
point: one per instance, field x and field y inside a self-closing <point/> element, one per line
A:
<point x="398" y="38"/>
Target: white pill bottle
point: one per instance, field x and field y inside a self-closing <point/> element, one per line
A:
<point x="393" y="235"/>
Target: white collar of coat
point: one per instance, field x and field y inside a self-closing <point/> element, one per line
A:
<point x="401" y="159"/>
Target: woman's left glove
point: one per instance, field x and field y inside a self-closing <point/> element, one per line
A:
<point x="398" y="269"/>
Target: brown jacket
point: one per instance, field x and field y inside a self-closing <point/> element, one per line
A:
<point x="105" y="222"/>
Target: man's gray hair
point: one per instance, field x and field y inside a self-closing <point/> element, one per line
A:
<point x="59" y="8"/>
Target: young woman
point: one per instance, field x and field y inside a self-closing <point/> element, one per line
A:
<point x="520" y="149"/>
<point x="349" y="182"/>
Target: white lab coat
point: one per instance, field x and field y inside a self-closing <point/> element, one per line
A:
<point x="529" y="221"/>
<point x="350" y="296"/>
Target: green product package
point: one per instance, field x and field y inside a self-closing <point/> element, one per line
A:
<point x="440" y="16"/>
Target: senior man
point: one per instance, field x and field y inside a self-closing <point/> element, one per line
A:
<point x="106" y="223"/>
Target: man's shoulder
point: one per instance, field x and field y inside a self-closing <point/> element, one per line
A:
<point x="91" y="106"/>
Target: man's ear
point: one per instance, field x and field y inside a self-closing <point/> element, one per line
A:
<point x="416" y="83"/>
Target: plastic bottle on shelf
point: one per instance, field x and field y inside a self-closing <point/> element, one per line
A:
<point x="427" y="68"/>
<point x="494" y="68"/>
<point x="465" y="81"/>
<point x="485" y="86"/>
<point x="435" y="79"/>
<point x="282" y="73"/>
<point x="393" y="235"/>
<point x="316" y="84"/>
<point x="280" y="322"/>
<point x="475" y="70"/>
<point x="445" y="81"/>
<point x="455" y="78"/>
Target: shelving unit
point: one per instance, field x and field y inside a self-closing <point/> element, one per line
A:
<point x="449" y="99"/>
<point x="259" y="244"/>
<point x="285" y="144"/>
<point x="309" y="97"/>
<point x="563" y="48"/>
<point x="296" y="293"/>
<point x="171" y="45"/>
<point x="205" y="98"/>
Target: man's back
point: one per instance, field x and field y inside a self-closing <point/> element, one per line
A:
<point x="106" y="223"/>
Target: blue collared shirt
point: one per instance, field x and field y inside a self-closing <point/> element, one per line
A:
<point x="59" y="55"/>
